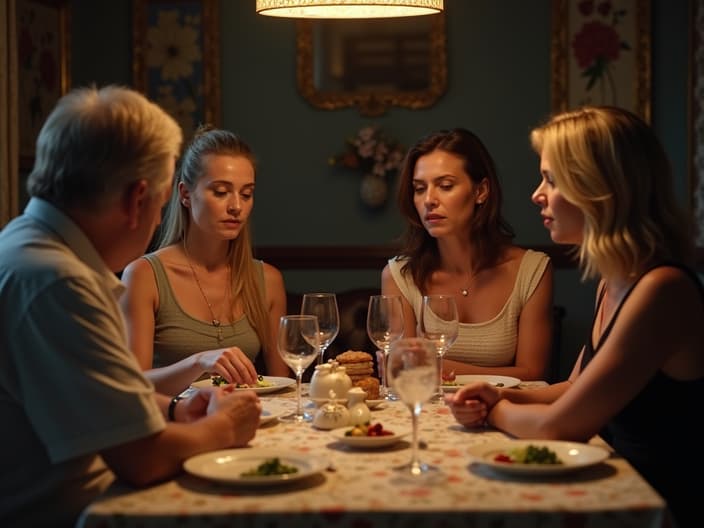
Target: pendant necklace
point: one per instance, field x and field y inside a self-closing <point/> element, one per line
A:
<point x="465" y="291"/>
<point x="214" y="321"/>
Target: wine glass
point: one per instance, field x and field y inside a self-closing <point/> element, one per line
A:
<point x="439" y="324"/>
<point x="412" y="370"/>
<point x="324" y="307"/>
<point x="384" y="326"/>
<point x="298" y="345"/>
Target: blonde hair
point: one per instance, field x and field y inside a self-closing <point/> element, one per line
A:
<point x="245" y="281"/>
<point x="96" y="142"/>
<point x="609" y="163"/>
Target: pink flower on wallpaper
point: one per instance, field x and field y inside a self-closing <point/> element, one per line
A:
<point x="604" y="8"/>
<point x="586" y="7"/>
<point x="598" y="45"/>
<point x="596" y="42"/>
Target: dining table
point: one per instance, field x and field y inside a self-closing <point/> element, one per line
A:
<point x="362" y="488"/>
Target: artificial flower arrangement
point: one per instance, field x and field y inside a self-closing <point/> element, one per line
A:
<point x="377" y="157"/>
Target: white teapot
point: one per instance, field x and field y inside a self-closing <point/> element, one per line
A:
<point x="328" y="377"/>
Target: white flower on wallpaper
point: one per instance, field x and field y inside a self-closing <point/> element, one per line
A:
<point x="173" y="47"/>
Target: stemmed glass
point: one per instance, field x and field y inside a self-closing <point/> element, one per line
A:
<point x="439" y="324"/>
<point x="384" y="326"/>
<point x="298" y="345"/>
<point x="324" y="307"/>
<point x="412" y="368"/>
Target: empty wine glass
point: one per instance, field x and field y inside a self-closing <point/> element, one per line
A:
<point x="384" y="326"/>
<point x="298" y="345"/>
<point x="324" y="307"/>
<point x="412" y="368"/>
<point x="439" y="324"/>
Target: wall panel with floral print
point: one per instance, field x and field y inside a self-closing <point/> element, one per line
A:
<point x="43" y="67"/>
<point x="177" y="59"/>
<point x="600" y="54"/>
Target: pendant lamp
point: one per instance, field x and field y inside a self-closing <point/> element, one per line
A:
<point x="348" y="8"/>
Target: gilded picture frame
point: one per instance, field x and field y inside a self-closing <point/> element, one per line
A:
<point x="373" y="100"/>
<point x="601" y="54"/>
<point x="43" y="63"/>
<point x="176" y="60"/>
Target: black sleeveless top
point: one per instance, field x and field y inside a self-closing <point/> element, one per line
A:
<point x="660" y="431"/>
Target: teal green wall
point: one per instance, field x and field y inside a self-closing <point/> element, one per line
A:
<point x="499" y="86"/>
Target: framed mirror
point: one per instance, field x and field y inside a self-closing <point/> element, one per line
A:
<point x="372" y="64"/>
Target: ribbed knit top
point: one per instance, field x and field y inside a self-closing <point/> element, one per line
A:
<point x="490" y="343"/>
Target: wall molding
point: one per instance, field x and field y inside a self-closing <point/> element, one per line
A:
<point x="375" y="257"/>
<point x="365" y="257"/>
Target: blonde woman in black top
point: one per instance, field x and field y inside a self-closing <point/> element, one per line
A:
<point x="639" y="381"/>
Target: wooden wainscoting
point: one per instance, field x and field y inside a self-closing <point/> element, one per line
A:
<point x="365" y="257"/>
<point x="375" y="257"/>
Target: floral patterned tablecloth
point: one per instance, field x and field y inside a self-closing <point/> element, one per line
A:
<point x="360" y="489"/>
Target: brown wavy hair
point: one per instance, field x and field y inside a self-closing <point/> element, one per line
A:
<point x="488" y="234"/>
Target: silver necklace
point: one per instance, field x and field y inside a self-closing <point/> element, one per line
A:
<point x="214" y="321"/>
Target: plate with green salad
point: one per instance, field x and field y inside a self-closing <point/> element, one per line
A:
<point x="254" y="466"/>
<point x="264" y="384"/>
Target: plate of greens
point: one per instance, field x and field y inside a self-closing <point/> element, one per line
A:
<point x="538" y="457"/>
<point x="264" y="385"/>
<point x="254" y="466"/>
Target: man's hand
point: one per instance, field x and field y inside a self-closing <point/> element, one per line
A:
<point x="242" y="408"/>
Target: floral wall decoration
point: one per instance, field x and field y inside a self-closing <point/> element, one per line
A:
<point x="376" y="157"/>
<point x="601" y="54"/>
<point x="176" y="58"/>
<point x="43" y="65"/>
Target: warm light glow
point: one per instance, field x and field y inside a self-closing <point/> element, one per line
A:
<point x="348" y="8"/>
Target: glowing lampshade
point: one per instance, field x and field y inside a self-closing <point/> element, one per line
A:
<point x="348" y="8"/>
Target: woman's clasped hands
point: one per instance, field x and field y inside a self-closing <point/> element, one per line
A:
<point x="471" y="404"/>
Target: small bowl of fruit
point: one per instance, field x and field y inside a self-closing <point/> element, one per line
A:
<point x="370" y="435"/>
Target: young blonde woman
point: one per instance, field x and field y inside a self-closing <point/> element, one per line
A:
<point x="458" y="243"/>
<point x="201" y="303"/>
<point x="639" y="380"/>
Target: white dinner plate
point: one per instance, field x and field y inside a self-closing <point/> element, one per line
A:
<point x="574" y="456"/>
<point x="227" y="465"/>
<point x="370" y="442"/>
<point x="500" y="381"/>
<point x="278" y="384"/>
<point x="271" y="410"/>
